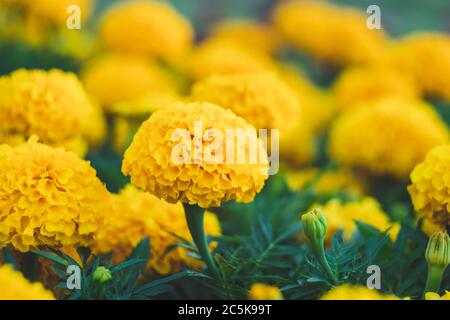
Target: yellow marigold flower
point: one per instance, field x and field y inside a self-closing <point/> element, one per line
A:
<point x="328" y="181"/>
<point x="320" y="29"/>
<point x="317" y="105"/>
<point x="94" y="125"/>
<point x="139" y="214"/>
<point x="55" y="11"/>
<point x="222" y="56"/>
<point x="248" y="32"/>
<point x="114" y="78"/>
<point x="425" y="57"/>
<point x="393" y="136"/>
<point x="16" y="287"/>
<point x="262" y="99"/>
<point x="435" y="296"/>
<point x="260" y="291"/>
<point x="430" y="186"/>
<point x="48" y="197"/>
<point x="342" y="216"/>
<point x="360" y="84"/>
<point x="356" y="292"/>
<point x="51" y="104"/>
<point x="148" y="27"/>
<point x="297" y="146"/>
<point x="150" y="164"/>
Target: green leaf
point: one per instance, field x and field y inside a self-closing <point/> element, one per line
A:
<point x="52" y="257"/>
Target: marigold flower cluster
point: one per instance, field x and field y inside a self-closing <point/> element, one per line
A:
<point x="137" y="215"/>
<point x="48" y="197"/>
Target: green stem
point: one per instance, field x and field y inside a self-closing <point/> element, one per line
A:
<point x="320" y="254"/>
<point x="434" y="279"/>
<point x="195" y="220"/>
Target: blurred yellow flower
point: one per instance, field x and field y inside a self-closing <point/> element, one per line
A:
<point x="114" y="78"/>
<point x="222" y="56"/>
<point x="149" y="160"/>
<point x="359" y="84"/>
<point x="298" y="145"/>
<point x="16" y="287"/>
<point x="435" y="296"/>
<point x="146" y="27"/>
<point x="94" y="125"/>
<point x="262" y="99"/>
<point x="260" y="291"/>
<point x="51" y="104"/>
<point x="342" y="216"/>
<point x="426" y="58"/>
<point x="322" y="30"/>
<point x="342" y="180"/>
<point x="356" y="292"/>
<point x="386" y="136"/>
<point x="430" y="186"/>
<point x="248" y="32"/>
<point x="55" y="11"/>
<point x="138" y="215"/>
<point x="48" y="197"/>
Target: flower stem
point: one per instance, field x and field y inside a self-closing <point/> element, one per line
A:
<point x="434" y="279"/>
<point x="195" y="220"/>
<point x="320" y="254"/>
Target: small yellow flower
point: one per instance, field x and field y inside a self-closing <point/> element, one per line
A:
<point x="430" y="185"/>
<point x="222" y="56"/>
<point x="320" y="29"/>
<point x="14" y="286"/>
<point x="342" y="216"/>
<point x="260" y="291"/>
<point x="248" y="32"/>
<point x="51" y="104"/>
<point x="360" y="84"/>
<point x="114" y="78"/>
<point x="146" y="27"/>
<point x="138" y="215"/>
<point x="262" y="99"/>
<point x="393" y="136"/>
<point x="435" y="296"/>
<point x="342" y="180"/>
<point x="356" y="292"/>
<point x="426" y="58"/>
<point x="49" y="197"/>
<point x="150" y="164"/>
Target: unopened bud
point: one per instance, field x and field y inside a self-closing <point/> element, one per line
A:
<point x="102" y="275"/>
<point x="315" y="225"/>
<point x="438" y="250"/>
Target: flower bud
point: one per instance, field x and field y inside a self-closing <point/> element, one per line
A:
<point x="102" y="275"/>
<point x="315" y="225"/>
<point x="438" y="250"/>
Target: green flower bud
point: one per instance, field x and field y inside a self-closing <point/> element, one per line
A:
<point x="102" y="275"/>
<point x="438" y="250"/>
<point x="315" y="225"/>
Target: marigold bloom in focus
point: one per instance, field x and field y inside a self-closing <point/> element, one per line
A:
<point x="247" y="32"/>
<point x="149" y="161"/>
<point x="139" y="214"/>
<point x="49" y="197"/>
<point x="360" y="84"/>
<point x="322" y="29"/>
<point x="356" y="292"/>
<point x="260" y="291"/>
<point x="342" y="216"/>
<point x="16" y="287"/>
<point x="51" y="104"/>
<point x="426" y="58"/>
<point x="393" y="136"/>
<point x="222" y="56"/>
<point x="262" y="99"/>
<point x="430" y="186"/>
<point x="146" y="27"/>
<point x="114" y="78"/>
